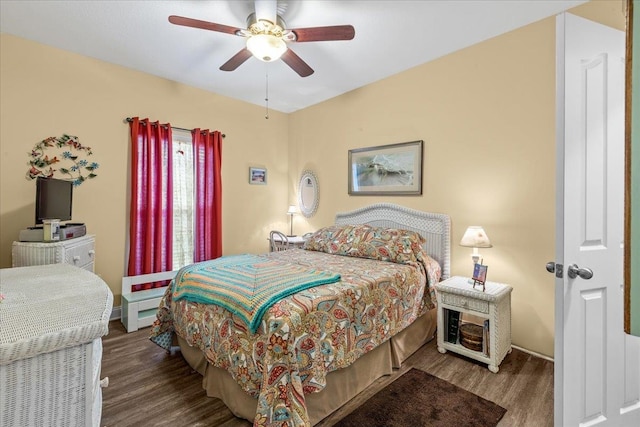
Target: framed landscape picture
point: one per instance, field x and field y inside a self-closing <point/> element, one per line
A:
<point x="258" y="176"/>
<point x="394" y="169"/>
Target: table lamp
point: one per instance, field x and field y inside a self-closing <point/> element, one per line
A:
<point x="292" y="210"/>
<point x="475" y="238"/>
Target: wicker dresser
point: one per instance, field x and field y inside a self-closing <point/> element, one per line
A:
<point x="79" y="252"/>
<point x="52" y="319"/>
<point x="457" y="297"/>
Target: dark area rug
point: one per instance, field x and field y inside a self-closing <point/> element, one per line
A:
<point x="420" y="399"/>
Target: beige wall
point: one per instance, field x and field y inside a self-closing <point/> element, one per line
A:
<point x="486" y="115"/>
<point x="487" y="118"/>
<point x="47" y="92"/>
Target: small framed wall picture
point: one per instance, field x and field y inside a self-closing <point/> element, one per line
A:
<point x="479" y="275"/>
<point x="258" y="176"/>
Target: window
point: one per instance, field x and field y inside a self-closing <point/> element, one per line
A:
<point x="176" y="198"/>
<point x="183" y="206"/>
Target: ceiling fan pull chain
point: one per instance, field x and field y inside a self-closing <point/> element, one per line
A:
<point x="266" y="99"/>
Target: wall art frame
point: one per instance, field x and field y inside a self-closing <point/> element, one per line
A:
<point x="391" y="170"/>
<point x="257" y="176"/>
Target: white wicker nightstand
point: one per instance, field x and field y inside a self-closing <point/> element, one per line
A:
<point x="457" y="294"/>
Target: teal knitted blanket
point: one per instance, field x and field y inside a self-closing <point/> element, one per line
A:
<point x="246" y="285"/>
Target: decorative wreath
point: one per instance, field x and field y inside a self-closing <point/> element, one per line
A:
<point x="78" y="169"/>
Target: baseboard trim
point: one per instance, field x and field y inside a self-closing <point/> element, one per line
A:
<point x="533" y="353"/>
<point x="116" y="313"/>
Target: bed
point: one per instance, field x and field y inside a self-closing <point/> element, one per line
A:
<point x="319" y="346"/>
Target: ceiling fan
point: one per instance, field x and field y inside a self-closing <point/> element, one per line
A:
<point x="267" y="37"/>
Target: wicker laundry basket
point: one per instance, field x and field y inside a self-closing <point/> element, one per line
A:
<point x="52" y="319"/>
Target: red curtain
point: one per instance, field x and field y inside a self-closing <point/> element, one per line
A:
<point x="151" y="221"/>
<point x="207" y="154"/>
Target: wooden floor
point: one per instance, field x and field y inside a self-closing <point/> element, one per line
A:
<point x="148" y="387"/>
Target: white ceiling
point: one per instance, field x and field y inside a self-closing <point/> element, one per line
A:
<point x="391" y="36"/>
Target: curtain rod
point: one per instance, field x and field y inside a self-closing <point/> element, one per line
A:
<point x="129" y="120"/>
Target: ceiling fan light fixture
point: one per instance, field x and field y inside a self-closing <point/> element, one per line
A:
<point x="266" y="47"/>
<point x="268" y="41"/>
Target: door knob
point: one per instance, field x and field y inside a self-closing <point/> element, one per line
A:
<point x="585" y="273"/>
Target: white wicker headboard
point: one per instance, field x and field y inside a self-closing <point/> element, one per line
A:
<point x="434" y="227"/>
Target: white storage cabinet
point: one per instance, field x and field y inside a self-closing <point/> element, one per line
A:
<point x="79" y="252"/>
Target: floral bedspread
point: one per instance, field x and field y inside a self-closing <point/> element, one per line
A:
<point x="307" y="335"/>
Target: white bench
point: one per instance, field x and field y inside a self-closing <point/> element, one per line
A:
<point x="139" y="308"/>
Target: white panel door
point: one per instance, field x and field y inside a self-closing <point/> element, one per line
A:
<point x="597" y="366"/>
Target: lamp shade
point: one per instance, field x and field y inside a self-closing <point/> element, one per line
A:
<point x="475" y="237"/>
<point x="292" y="210"/>
<point x="266" y="47"/>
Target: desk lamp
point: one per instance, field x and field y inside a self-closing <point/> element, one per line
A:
<point x="292" y="210"/>
<point x="475" y="238"/>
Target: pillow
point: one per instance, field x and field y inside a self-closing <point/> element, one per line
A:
<point x="364" y="241"/>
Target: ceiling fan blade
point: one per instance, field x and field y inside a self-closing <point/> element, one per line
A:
<point x="266" y="9"/>
<point x="236" y="60"/>
<point x="296" y="63"/>
<point x="204" y="25"/>
<point x="317" y="34"/>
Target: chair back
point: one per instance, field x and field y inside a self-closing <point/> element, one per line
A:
<point x="278" y="241"/>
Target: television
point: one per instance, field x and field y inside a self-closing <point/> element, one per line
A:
<point x="53" y="199"/>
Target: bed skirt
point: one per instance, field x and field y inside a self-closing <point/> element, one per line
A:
<point x="342" y="385"/>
